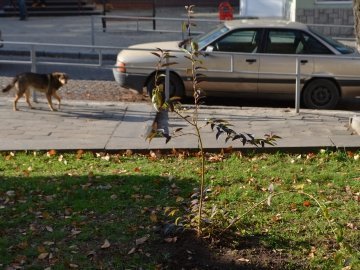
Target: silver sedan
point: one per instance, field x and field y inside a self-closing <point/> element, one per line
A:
<point x="253" y="58"/>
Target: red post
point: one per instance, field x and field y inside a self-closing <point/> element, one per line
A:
<point x="226" y="11"/>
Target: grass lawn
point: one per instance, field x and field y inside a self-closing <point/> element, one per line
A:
<point x="125" y="211"/>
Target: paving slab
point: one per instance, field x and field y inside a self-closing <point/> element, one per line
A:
<point x="79" y="125"/>
<point x="305" y="131"/>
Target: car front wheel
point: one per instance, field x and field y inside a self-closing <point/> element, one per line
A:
<point x="176" y="88"/>
<point x="321" y="94"/>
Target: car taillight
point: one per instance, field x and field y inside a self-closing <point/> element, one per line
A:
<point x="121" y="67"/>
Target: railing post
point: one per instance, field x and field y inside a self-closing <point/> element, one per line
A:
<point x="33" y="68"/>
<point x="167" y="81"/>
<point x="100" y="57"/>
<point x="92" y="31"/>
<point x="297" y="85"/>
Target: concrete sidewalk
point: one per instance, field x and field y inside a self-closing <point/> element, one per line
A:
<point x="309" y="130"/>
<point x="104" y="126"/>
<point x="78" y="125"/>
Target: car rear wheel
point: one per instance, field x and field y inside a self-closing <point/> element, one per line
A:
<point x="176" y="88"/>
<point x="321" y="94"/>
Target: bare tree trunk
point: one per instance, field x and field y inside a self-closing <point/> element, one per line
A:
<point x="356" y="7"/>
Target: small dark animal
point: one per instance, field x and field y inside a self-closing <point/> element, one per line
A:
<point x="45" y="83"/>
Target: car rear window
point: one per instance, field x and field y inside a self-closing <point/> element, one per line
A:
<point x="343" y="49"/>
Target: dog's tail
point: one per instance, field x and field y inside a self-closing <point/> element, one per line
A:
<point x="10" y="85"/>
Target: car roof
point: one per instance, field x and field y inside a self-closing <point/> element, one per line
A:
<point x="264" y="23"/>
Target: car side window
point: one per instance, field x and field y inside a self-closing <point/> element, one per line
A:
<point x="243" y="41"/>
<point x="282" y="41"/>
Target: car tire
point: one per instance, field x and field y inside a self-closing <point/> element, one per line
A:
<point x="176" y="86"/>
<point x="321" y="94"/>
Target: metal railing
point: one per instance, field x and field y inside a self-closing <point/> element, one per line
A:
<point x="98" y="50"/>
<point x="138" y="19"/>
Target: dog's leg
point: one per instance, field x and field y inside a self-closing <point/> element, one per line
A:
<point x="58" y="98"/>
<point x="48" y="97"/>
<point x="17" y="97"/>
<point x="27" y="98"/>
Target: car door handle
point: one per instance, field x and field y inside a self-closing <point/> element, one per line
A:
<point x="303" y="61"/>
<point x="250" y="60"/>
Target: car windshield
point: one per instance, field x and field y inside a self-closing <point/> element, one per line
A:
<point x="343" y="49"/>
<point x="205" y="39"/>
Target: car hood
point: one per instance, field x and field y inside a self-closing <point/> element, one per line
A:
<point x="141" y="54"/>
<point x="166" y="45"/>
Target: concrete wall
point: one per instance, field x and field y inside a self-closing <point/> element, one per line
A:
<point x="310" y="12"/>
<point x="313" y="4"/>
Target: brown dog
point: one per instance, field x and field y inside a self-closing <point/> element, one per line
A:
<point x="45" y="83"/>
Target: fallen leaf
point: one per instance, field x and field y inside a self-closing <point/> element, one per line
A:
<point x="10" y="193"/>
<point x="10" y="156"/>
<point x="312" y="252"/>
<point x="131" y="251"/>
<point x="91" y="253"/>
<point x="299" y="187"/>
<point x="43" y="256"/>
<point x="107" y="157"/>
<point x="75" y="232"/>
<point x="79" y="154"/>
<point x="49" y="229"/>
<point x="153" y="217"/>
<point x="106" y="244"/>
<point x="306" y="203"/>
<point x="141" y="240"/>
<point x="271" y="188"/>
<point x="72" y="265"/>
<point x="277" y="217"/>
<point x="171" y="239"/>
<point x="293" y="207"/>
<point x="51" y="153"/>
<point x="153" y="155"/>
<point x="128" y="153"/>
<point x="348" y="190"/>
<point x="23" y="245"/>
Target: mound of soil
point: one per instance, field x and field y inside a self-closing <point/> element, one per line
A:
<point x="192" y="252"/>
